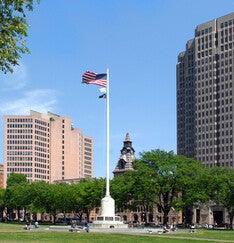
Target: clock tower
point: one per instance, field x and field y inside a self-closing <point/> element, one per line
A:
<point x="127" y="157"/>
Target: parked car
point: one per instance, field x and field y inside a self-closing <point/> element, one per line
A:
<point x="222" y="226"/>
<point x="157" y="229"/>
<point x="77" y="228"/>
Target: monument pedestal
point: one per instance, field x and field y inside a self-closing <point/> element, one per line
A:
<point x="108" y="219"/>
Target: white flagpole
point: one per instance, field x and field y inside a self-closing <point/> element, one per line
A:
<point x="107" y="135"/>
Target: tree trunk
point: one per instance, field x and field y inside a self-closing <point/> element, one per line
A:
<point x="188" y="216"/>
<point x="54" y="217"/>
<point x="18" y="214"/>
<point x="165" y="216"/>
<point x="231" y="215"/>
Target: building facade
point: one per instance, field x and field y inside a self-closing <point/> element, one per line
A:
<point x="1" y="176"/>
<point x="205" y="73"/>
<point x="46" y="147"/>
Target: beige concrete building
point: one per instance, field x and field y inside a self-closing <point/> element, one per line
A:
<point x="1" y="176"/>
<point x="46" y="147"/>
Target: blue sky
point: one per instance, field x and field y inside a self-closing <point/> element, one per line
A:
<point x="138" y="41"/>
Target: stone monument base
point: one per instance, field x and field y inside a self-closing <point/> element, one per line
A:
<point x="105" y="222"/>
<point x="108" y="219"/>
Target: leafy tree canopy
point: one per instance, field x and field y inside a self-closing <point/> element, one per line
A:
<point x="222" y="188"/>
<point x="169" y="181"/>
<point x="13" y="31"/>
<point x="15" y="179"/>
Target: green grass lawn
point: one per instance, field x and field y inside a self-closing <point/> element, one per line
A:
<point x="15" y="233"/>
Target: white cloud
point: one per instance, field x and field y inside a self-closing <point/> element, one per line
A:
<point x="41" y="100"/>
<point x="15" y="81"/>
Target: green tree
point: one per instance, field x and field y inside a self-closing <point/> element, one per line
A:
<point x="193" y="178"/>
<point x="168" y="180"/>
<point x="63" y="198"/>
<point x="90" y="194"/>
<point x="15" y="194"/>
<point x="13" y="31"/>
<point x="50" y="198"/>
<point x="2" y="203"/>
<point x="15" y="179"/>
<point x="122" y="191"/>
<point x="37" y="193"/>
<point x="76" y="201"/>
<point x="222" y="188"/>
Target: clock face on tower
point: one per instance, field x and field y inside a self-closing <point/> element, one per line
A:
<point x="124" y="151"/>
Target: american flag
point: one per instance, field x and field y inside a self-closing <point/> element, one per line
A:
<point x="94" y="78"/>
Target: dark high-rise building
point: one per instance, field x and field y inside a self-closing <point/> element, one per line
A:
<point x="205" y="77"/>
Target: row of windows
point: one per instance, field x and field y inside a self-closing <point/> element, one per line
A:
<point x="203" y="47"/>
<point x="40" y="160"/>
<point x="87" y="167"/>
<point x="41" y="133"/>
<point x="19" y="136"/>
<point x="219" y="149"/>
<point x="19" y="147"/>
<point x="216" y="111"/>
<point x="209" y="106"/>
<point x="226" y="47"/>
<point x="41" y="128"/>
<point x="41" y="155"/>
<point x="22" y="164"/>
<point x="87" y="145"/>
<point x="27" y="120"/>
<point x="19" y="125"/>
<point x="207" y="60"/>
<point x="207" y="98"/>
<point x="88" y="149"/>
<point x="207" y="164"/>
<point x="41" y="171"/>
<point x="215" y="127"/>
<point x="41" y="122"/>
<point x="204" y="31"/>
<point x="223" y="67"/>
<point x="19" y="169"/>
<point x="20" y="153"/>
<point x="210" y="165"/>
<point x="19" y="131"/>
<point x="215" y="87"/>
<point x="88" y="163"/>
<point x="215" y="142"/>
<point x="41" y="144"/>
<point x="42" y="177"/>
<point x="213" y="150"/>
<point x="41" y="149"/>
<point x="88" y="153"/>
<point x="88" y="140"/>
<point x="87" y="171"/>
<point x="207" y="31"/>
<point x="222" y="118"/>
<point x="204" y="53"/>
<point x="19" y="141"/>
<point x="227" y="39"/>
<point x="227" y="23"/>
<point x="41" y="138"/>
<point x="11" y="158"/>
<point x="224" y="93"/>
<point x="211" y="157"/>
